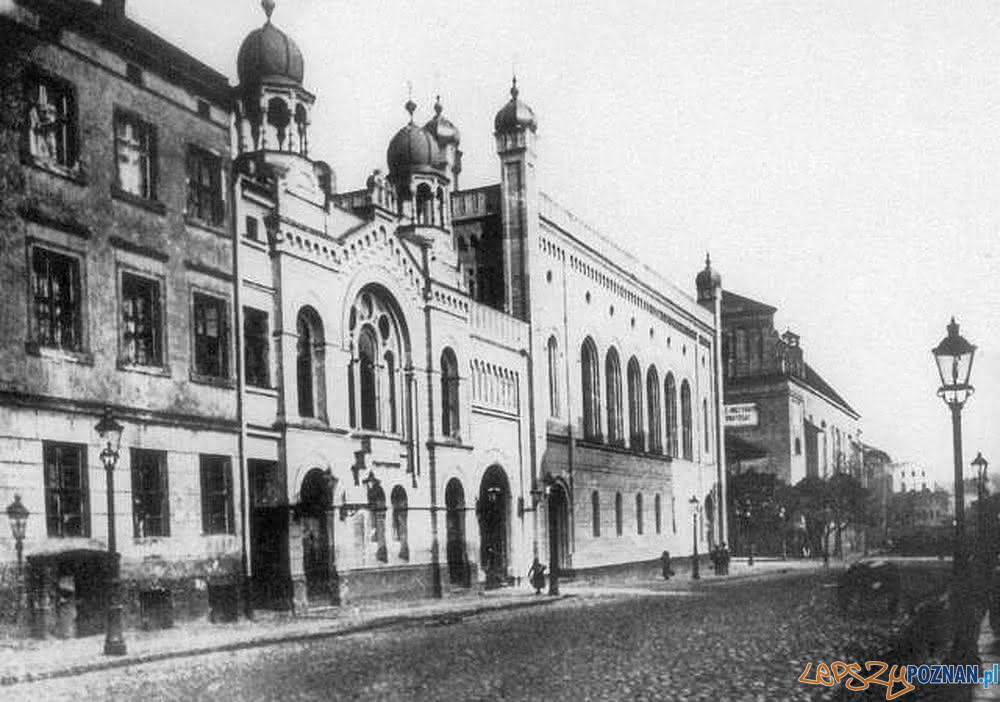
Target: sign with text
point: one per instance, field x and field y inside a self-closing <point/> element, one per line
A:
<point x="741" y="415"/>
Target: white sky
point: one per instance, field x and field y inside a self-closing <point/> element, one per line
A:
<point x="841" y="161"/>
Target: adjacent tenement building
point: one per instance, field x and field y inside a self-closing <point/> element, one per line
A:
<point x="393" y="391"/>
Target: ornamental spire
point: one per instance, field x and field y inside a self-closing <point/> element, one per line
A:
<point x="268" y="6"/>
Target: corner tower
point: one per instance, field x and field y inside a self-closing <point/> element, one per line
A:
<point x="515" y="130"/>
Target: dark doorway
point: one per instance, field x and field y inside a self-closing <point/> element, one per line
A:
<point x="493" y="509"/>
<point x="559" y="527"/>
<point x="314" y="505"/>
<point x="454" y="500"/>
<point x="268" y="536"/>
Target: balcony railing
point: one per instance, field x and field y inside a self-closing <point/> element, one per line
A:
<point x="498" y="326"/>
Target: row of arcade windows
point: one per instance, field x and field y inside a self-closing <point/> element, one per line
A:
<point x="595" y="512"/>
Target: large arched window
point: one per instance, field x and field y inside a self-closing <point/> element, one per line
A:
<point x="636" y="436"/>
<point x="591" y="387"/>
<point x="670" y="402"/>
<point x="449" y="394"/>
<point x="310" y="354"/>
<point x="687" y="445"/>
<point x="379" y="346"/>
<point x="595" y="513"/>
<point x="553" y="359"/>
<point x="400" y="528"/>
<point x="618" y="514"/>
<point x="653" y="409"/>
<point x="613" y="378"/>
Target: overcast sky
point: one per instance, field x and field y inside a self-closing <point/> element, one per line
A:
<point x="841" y="161"/>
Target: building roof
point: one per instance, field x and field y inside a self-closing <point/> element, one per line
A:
<point x="135" y="43"/>
<point x="733" y="303"/>
<point x="815" y="381"/>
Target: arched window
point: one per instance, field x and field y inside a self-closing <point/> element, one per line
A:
<point x="653" y="410"/>
<point x="618" y="514"/>
<point x="425" y="205"/>
<point x="400" y="513"/>
<point x="553" y="358"/>
<point x="670" y="400"/>
<point x="706" y="422"/>
<point x="378" y="342"/>
<point x="595" y="513"/>
<point x="636" y="436"/>
<point x="613" y="379"/>
<point x="376" y="505"/>
<point x="440" y="207"/>
<point x="310" y="354"/>
<point x="638" y="513"/>
<point x="658" y="514"/>
<point x="686" y="442"/>
<point x="591" y="385"/>
<point x="449" y="394"/>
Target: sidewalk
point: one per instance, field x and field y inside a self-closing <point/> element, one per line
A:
<point x="30" y="659"/>
<point x="989" y="653"/>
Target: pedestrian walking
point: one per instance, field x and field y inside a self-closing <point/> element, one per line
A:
<point x="536" y="575"/>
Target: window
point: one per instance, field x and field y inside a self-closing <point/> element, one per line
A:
<point x="673" y="514"/>
<point x="376" y="504"/>
<point x="66" y="509"/>
<point x="553" y="358"/>
<point x="636" y="436"/>
<point x="618" y="514"/>
<point x="217" y="495"/>
<point x="51" y="121"/>
<point x="142" y="326"/>
<point x="135" y="156"/>
<point x="595" y="513"/>
<point x="204" y="194"/>
<point x="255" y="349"/>
<point x="670" y="399"/>
<point x="252" y="228"/>
<point x="653" y="409"/>
<point x="378" y="344"/>
<point x="798" y="446"/>
<point x="57" y="306"/>
<point x="150" y="496"/>
<point x="400" y="511"/>
<point x="613" y="378"/>
<point x="591" y="391"/>
<point x="366" y="373"/>
<point x="638" y="514"/>
<point x="705" y="418"/>
<point x="658" y="514"/>
<point x="687" y="444"/>
<point x="449" y="394"/>
<point x="211" y="336"/>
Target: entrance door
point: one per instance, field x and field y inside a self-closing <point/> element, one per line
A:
<point x="316" y="548"/>
<point x="559" y="527"/>
<point x="454" y="500"/>
<point x="268" y="536"/>
<point x="493" y="508"/>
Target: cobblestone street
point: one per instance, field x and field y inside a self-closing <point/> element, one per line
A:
<point x="745" y="640"/>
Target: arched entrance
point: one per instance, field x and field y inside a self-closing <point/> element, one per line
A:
<point x="315" y="502"/>
<point x="454" y="500"/>
<point x="559" y="527"/>
<point x="493" y="510"/>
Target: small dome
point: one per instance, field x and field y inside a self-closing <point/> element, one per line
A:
<point x="269" y="55"/>
<point x="515" y="115"/>
<point x="413" y="150"/>
<point x="708" y="278"/>
<point x="441" y="128"/>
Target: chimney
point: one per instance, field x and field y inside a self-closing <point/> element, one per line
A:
<point x="114" y="8"/>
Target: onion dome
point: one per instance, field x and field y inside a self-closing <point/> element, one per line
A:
<point x="515" y="115"/>
<point x="441" y="128"/>
<point x="413" y="150"/>
<point x="708" y="279"/>
<point x="268" y="55"/>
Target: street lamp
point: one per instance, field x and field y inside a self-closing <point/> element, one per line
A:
<point x="549" y="482"/>
<point x="695" y="574"/>
<point x="953" y="357"/>
<point x="980" y="464"/>
<point x="17" y="513"/>
<point x="110" y="430"/>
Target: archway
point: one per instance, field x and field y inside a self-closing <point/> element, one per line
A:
<point x="315" y="502"/>
<point x="454" y="500"/>
<point x="493" y="509"/>
<point x="559" y="527"/>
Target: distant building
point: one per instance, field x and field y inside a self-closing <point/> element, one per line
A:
<point x="911" y="477"/>
<point x="782" y="417"/>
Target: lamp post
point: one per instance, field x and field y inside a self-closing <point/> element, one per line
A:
<point x="953" y="357"/>
<point x="110" y="430"/>
<point x="17" y="513"/>
<point x="549" y="482"/>
<point x="695" y="574"/>
<point x="980" y="464"/>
